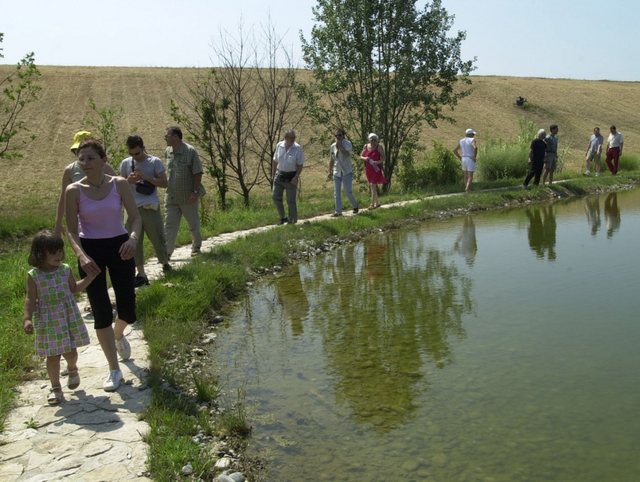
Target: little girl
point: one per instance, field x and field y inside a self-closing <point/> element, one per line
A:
<point x="52" y="309"/>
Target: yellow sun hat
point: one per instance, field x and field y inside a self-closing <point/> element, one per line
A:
<point x="78" y="138"/>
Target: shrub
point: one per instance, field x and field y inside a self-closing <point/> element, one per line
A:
<point x="501" y="160"/>
<point x="629" y="162"/>
<point x="441" y="167"/>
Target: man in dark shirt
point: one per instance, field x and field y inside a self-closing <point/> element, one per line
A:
<point x="537" y="153"/>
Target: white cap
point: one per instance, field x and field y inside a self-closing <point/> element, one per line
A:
<point x="470" y="132"/>
<point x="373" y="136"/>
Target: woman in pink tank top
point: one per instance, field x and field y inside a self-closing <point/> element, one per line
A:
<point x="94" y="208"/>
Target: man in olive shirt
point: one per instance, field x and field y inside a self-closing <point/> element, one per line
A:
<point x="183" y="191"/>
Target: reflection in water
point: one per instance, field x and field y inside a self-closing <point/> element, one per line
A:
<point x="378" y="387"/>
<point x="612" y="213"/>
<point x="293" y="300"/>
<point x="592" y="208"/>
<point x="375" y="267"/>
<point x="542" y="231"/>
<point x="466" y="243"/>
<point x="380" y="328"/>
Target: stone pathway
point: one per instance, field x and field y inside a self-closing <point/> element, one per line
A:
<point x="93" y="435"/>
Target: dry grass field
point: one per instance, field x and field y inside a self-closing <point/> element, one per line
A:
<point x="33" y="181"/>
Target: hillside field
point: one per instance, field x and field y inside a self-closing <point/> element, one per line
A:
<point x="33" y="181"/>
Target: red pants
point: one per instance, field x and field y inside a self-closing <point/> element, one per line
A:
<point x="613" y="153"/>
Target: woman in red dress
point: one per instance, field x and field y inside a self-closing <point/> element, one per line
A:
<point x="373" y="157"/>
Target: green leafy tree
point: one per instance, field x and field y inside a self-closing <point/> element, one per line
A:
<point x="383" y="66"/>
<point x="19" y="88"/>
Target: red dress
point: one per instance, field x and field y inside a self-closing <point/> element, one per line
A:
<point x="372" y="176"/>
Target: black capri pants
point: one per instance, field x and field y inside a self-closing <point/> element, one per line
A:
<point x="105" y="253"/>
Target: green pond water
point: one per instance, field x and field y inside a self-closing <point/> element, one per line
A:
<point x="497" y="347"/>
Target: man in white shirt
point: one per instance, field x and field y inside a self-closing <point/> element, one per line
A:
<point x="285" y="172"/>
<point x="469" y="150"/>
<point x="341" y="170"/>
<point x="614" y="149"/>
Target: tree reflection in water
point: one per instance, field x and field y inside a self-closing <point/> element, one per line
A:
<point x="542" y="231"/>
<point x="384" y="310"/>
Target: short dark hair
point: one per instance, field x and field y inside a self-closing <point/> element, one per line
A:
<point x="135" y="141"/>
<point x="94" y="144"/>
<point x="612" y="128"/>
<point x="553" y="126"/>
<point x="44" y="242"/>
<point x="341" y="131"/>
<point x="175" y="130"/>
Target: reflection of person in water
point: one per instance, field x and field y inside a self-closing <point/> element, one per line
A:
<point x="612" y="213"/>
<point x="374" y="267"/>
<point x="592" y="208"/>
<point x="542" y="231"/>
<point x="293" y="300"/>
<point x="466" y="243"/>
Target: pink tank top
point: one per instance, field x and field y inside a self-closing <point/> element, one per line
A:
<point x="101" y="219"/>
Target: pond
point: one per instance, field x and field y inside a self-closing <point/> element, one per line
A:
<point x="497" y="347"/>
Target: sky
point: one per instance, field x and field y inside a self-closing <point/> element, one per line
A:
<point x="575" y="39"/>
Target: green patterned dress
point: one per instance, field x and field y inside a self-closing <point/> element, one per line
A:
<point x="57" y="320"/>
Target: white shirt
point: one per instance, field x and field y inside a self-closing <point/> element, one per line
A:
<point x="615" y="141"/>
<point x="288" y="160"/>
<point x="341" y="164"/>
<point x="468" y="150"/>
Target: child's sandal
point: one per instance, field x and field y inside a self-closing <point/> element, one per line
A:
<point x="55" y="396"/>
<point x="73" y="381"/>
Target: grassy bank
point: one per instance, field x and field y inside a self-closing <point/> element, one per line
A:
<point x="189" y="400"/>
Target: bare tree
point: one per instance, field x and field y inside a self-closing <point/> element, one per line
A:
<point x="237" y="112"/>
<point x="276" y="78"/>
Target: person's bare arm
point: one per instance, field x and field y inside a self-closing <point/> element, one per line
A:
<point x="128" y="248"/>
<point x="362" y="156"/>
<point x="159" y="181"/>
<point x="30" y="305"/>
<point x="383" y="157"/>
<point x="475" y="150"/>
<point x="456" y="151"/>
<point x="66" y="180"/>
<point x="297" y="176"/>
<point x="78" y="286"/>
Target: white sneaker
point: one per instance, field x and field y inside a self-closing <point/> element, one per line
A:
<point x="123" y="348"/>
<point x="597" y="174"/>
<point x="113" y="381"/>
<point x="587" y="173"/>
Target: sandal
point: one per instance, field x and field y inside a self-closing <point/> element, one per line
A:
<point x="73" y="381"/>
<point x="87" y="308"/>
<point x="55" y="396"/>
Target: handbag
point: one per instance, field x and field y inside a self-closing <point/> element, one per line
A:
<point x="143" y="187"/>
<point x="286" y="176"/>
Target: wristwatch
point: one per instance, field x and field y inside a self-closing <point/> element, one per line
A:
<point x="195" y="191"/>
